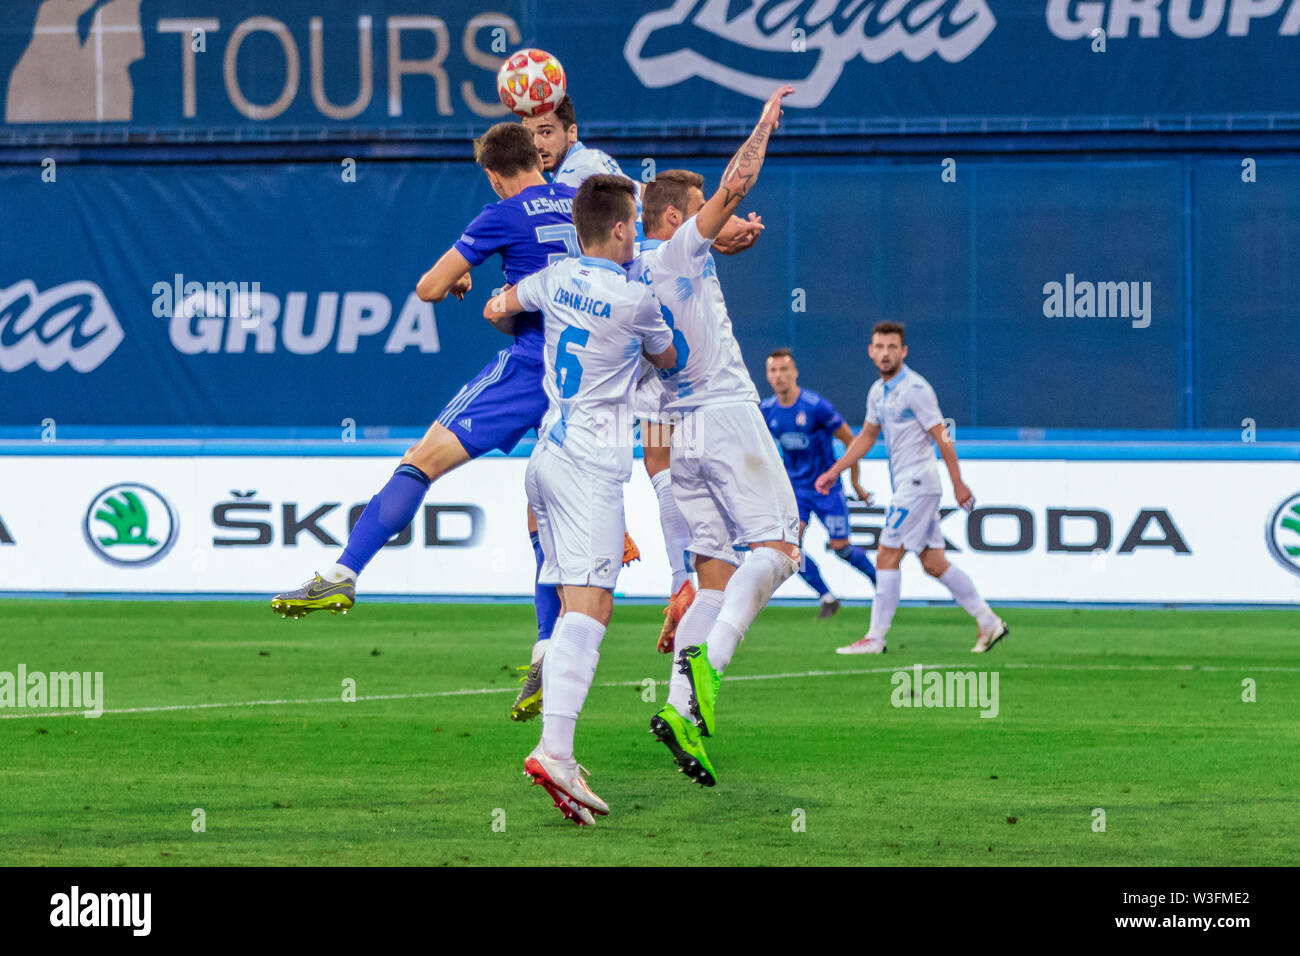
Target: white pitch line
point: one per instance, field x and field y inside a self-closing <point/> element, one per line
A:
<point x="794" y="675"/>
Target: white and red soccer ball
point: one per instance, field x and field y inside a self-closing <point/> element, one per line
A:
<point x="531" y="82"/>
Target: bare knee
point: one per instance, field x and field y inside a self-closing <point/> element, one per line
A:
<point x="934" y="562"/>
<point x="437" y="453"/>
<point x="888" y="559"/>
<point x="714" y="573"/>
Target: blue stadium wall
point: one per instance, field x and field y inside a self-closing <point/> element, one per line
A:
<point x="990" y="152"/>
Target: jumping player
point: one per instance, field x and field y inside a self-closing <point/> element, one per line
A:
<point x="597" y="326"/>
<point x="902" y="408"/>
<point x="727" y="477"/>
<point x="530" y="224"/>
<point x="567" y="160"/>
<point x="803" y="424"/>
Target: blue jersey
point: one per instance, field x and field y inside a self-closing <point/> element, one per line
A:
<point x="530" y="230"/>
<point x="804" y="432"/>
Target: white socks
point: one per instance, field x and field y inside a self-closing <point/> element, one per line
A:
<point x="747" y="593"/>
<point x="888" y="585"/>
<point x="963" y="591"/>
<point x="539" y="647"/>
<point x="677" y="535"/>
<point x="693" y="629"/>
<point x="566" y="678"/>
<point x="338" y="573"/>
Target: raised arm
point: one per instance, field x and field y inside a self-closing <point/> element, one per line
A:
<point x="857" y="448"/>
<point x="742" y="171"/>
<point x="449" y="276"/>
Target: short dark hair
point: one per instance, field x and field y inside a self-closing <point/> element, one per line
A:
<point x="672" y="187"/>
<point x="890" y="328"/>
<point x="782" y="352"/>
<point x="565" y="114"/>
<point x="507" y="149"/>
<point x="601" y="202"/>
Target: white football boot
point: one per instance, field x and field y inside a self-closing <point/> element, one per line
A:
<point x="987" y="638"/>
<point x="563" y="780"/>
<point x="868" y="645"/>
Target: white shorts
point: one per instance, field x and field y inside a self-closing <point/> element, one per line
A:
<point x="729" y="482"/>
<point x="912" y="523"/>
<point x="650" y="397"/>
<point x="579" y="521"/>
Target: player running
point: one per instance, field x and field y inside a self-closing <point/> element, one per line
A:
<point x="902" y="409"/>
<point x="803" y="424"/>
<point x="598" y="325"/>
<point x="727" y="477"/>
<point x="529" y="225"/>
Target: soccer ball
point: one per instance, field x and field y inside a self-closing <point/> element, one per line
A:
<point x="531" y="82"/>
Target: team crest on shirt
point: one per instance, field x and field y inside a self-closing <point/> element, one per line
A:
<point x="801" y="419"/>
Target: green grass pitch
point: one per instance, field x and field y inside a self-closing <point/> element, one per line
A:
<point x="1137" y="713"/>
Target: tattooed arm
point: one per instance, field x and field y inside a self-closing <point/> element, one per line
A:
<point x="743" y="169"/>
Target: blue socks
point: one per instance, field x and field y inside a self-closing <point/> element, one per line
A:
<point x="858" y="558"/>
<point x="546" y="599"/>
<point x="387" y="513"/>
<point x="813" y="575"/>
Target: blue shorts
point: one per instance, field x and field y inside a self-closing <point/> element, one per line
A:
<point x="832" y="509"/>
<point x="498" y="406"/>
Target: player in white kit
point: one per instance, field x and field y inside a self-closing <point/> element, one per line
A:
<point x="567" y="160"/>
<point x="902" y="409"/>
<point x="598" y="325"/>
<point x="727" y="477"/>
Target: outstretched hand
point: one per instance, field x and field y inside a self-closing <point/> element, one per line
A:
<point x="772" y="114"/>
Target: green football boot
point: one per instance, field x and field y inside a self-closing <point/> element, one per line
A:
<point x="681" y="737"/>
<point x="317" y="595"/>
<point x="529" y="702"/>
<point x="693" y="661"/>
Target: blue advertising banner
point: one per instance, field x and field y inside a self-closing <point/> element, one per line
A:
<point x="1154" y="293"/>
<point x="220" y="70"/>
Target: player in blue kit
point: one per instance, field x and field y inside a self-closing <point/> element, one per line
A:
<point x="531" y="226"/>
<point x="803" y="424"/>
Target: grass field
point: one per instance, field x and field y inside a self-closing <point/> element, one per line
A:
<point x="1139" y="713"/>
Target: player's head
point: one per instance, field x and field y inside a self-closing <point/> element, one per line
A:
<point x="505" y="151"/>
<point x="668" y="200"/>
<point x="888" y="347"/>
<point x="604" y="213"/>
<point x="782" y="373"/>
<point x="553" y="133"/>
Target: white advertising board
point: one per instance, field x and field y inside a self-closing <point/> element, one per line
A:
<point x="1043" y="530"/>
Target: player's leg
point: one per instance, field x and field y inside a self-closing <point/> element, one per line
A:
<point x="584" y="517"/>
<point x="910" y="524"/>
<point x="548" y="606"/>
<point x="388" y="512"/>
<point x="493" y="410"/>
<point x="991" y="627"/>
<point x="757" y="502"/>
<point x="885" y="603"/>
<point x="808" y="569"/>
<point x="656" y="441"/>
<point x="833" y="510"/>
<point x="713" y="559"/>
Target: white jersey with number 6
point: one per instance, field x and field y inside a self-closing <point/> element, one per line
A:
<point x="710" y="369"/>
<point x="596" y="324"/>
